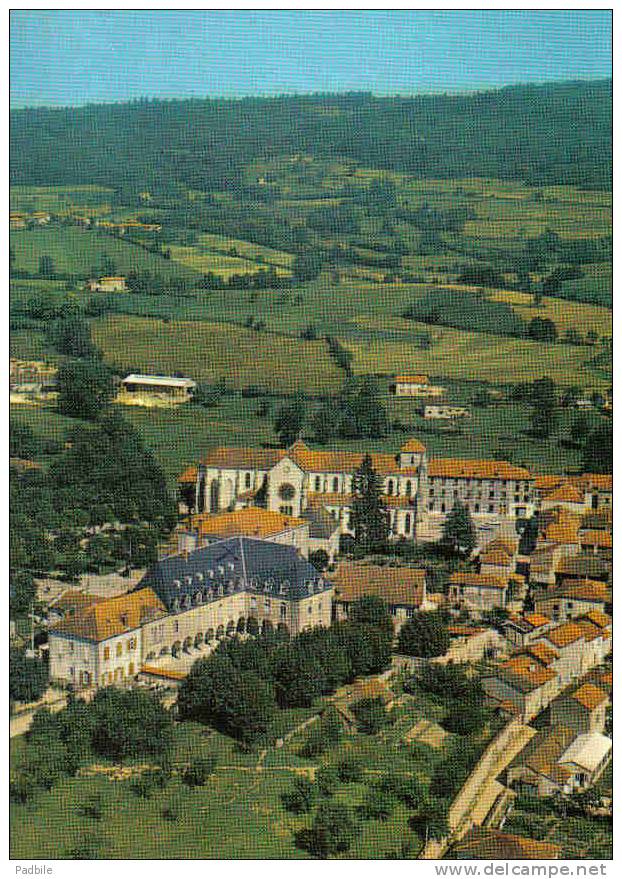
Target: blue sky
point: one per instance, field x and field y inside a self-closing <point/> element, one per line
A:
<point x="75" y="57"/>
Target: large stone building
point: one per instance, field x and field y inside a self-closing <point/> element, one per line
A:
<point x="417" y="493"/>
<point x="184" y="606"/>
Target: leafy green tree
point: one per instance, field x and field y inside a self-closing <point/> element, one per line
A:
<point x="424" y="635"/>
<point x="371" y="715"/>
<point x="332" y="832"/>
<point x="72" y="336"/>
<point x="301" y="797"/>
<point x="458" y="530"/>
<point x="327" y="780"/>
<point x="199" y="771"/>
<point x="28" y="677"/>
<point x="319" y="559"/>
<point x="206" y="695"/>
<point x="371" y="610"/>
<point x="369" y="517"/>
<point x="359" y="411"/>
<point x="378" y="804"/>
<point x="47" y="269"/>
<point x="597" y="452"/>
<point x="130" y="723"/>
<point x="350" y="770"/>
<point x="289" y="422"/>
<point x="23" y="593"/>
<point x="542" y="329"/>
<point x="84" y="388"/>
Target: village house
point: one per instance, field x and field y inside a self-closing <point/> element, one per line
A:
<point x="107" y="285"/>
<point x="478" y="593"/>
<point x="402" y="589"/>
<point x="153" y="389"/>
<point x="524" y="684"/>
<point x="557" y="760"/>
<point x="595" y="488"/>
<point x="444" y="411"/>
<point x="572" y="599"/>
<point x="500" y="555"/>
<point x="521" y="631"/>
<point x="17" y="221"/>
<point x="202" y="529"/>
<point x="32" y="376"/>
<point x="597" y="542"/>
<point x="101" y="643"/>
<point x="415" y="386"/>
<point x="583" y="567"/>
<point x="583" y="709"/>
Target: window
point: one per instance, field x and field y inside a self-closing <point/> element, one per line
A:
<point x="266" y="604"/>
<point x="409" y="488"/>
<point x="476" y="508"/>
<point x="431" y="506"/>
<point x="247" y="480"/>
<point x="443" y="508"/>
<point x="131" y="644"/>
<point x="119" y="648"/>
<point x="336" y="484"/>
<point x="72" y="647"/>
<point x="407" y="523"/>
<point x="317" y="484"/>
<point x="106" y="652"/>
<point x="310" y="608"/>
<point x="283" y="611"/>
<point x="286" y="510"/>
<point x="491" y="508"/>
<point x="176" y="626"/>
<point x="390" y="487"/>
<point x="287" y="491"/>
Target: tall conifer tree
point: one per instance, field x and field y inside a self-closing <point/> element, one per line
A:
<point x="370" y="521"/>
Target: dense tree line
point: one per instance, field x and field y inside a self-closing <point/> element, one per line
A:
<point x="240" y="686"/>
<point x="439" y="136"/>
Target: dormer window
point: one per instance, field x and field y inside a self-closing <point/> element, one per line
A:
<point x="199" y="577"/>
<point x="188" y="581"/>
<point x="210" y="574"/>
<point x="231" y="566"/>
<point x="221" y="569"/>
<point x="124" y="620"/>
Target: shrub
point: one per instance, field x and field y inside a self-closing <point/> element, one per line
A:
<point x="301" y="797"/>
<point x="327" y="780"/>
<point x="197" y="774"/>
<point x="371" y="715"/>
<point x="349" y="770"/>
<point x="377" y="804"/>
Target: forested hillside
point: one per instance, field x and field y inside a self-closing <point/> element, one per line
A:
<point x="539" y="135"/>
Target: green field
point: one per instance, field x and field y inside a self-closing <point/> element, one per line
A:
<point x="209" y="352"/>
<point x="85" y="200"/>
<point x="238" y="814"/>
<point x="476" y="356"/>
<point x="79" y="251"/>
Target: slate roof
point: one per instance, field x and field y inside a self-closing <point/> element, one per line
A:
<point x="237" y="564"/>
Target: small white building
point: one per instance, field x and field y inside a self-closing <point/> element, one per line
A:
<point x="415" y="386"/>
<point x="142" y="389"/>
<point x="445" y="411"/>
<point x="109" y="284"/>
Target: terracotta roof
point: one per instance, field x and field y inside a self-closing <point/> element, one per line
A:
<point x="566" y="493"/>
<point x="412" y="445"/>
<point x="113" y="616"/>
<point x="599" y="538"/>
<point x="71" y="601"/>
<point x="243" y="458"/>
<point x="602" y="620"/>
<point x="544" y="750"/>
<point x="583" y="565"/>
<point x="602" y="481"/>
<point x="496" y="557"/>
<point x="586" y="590"/>
<point x="590" y="631"/>
<point x="475" y="469"/>
<point x="189" y="474"/>
<point x="403" y="585"/>
<point x="484" y="581"/>
<point x="490" y="844"/>
<point x="589" y="696"/>
<point x="339" y="461"/>
<point x="413" y="379"/>
<point x="536" y="619"/>
<point x="251" y="521"/>
<point x="545" y="655"/>
<point x="563" y="529"/>
<point x="526" y="669"/>
<point x="564" y="635"/>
